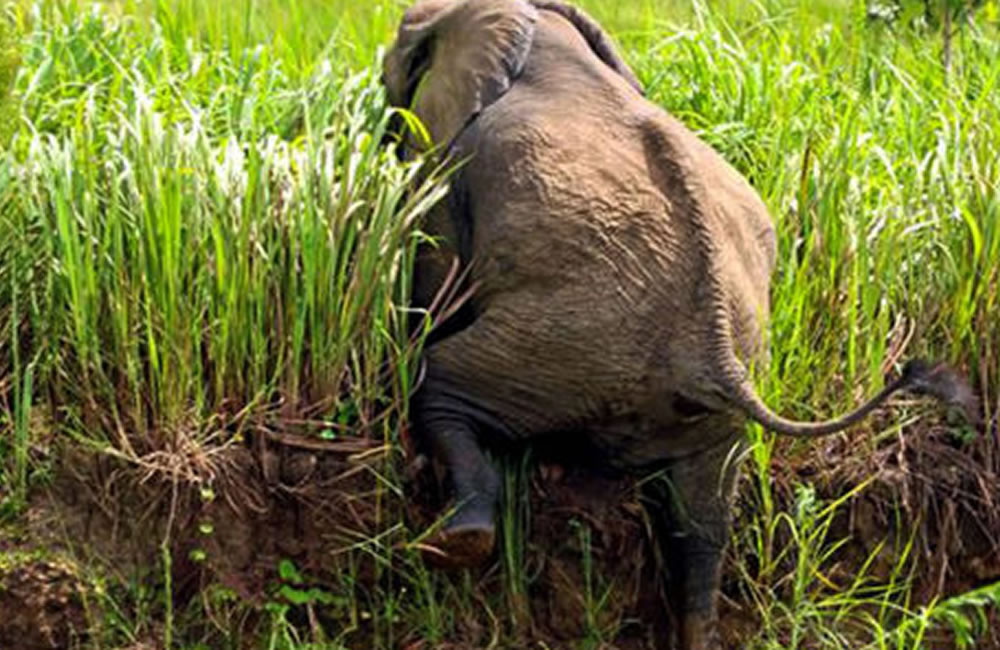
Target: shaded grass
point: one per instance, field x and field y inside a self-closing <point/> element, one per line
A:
<point x="198" y="229"/>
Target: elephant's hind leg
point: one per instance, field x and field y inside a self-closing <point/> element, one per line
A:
<point x="691" y="504"/>
<point x="489" y="379"/>
<point x="468" y="536"/>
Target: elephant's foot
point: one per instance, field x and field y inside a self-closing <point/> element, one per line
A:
<point x="470" y="531"/>
<point x="699" y="631"/>
<point x="461" y="546"/>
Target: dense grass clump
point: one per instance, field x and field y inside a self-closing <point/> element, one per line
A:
<point x="187" y="234"/>
<point x="8" y="70"/>
<point x="203" y="236"/>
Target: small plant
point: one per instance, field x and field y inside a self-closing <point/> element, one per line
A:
<point x="515" y="531"/>
<point x="595" y="593"/>
<point x="292" y="594"/>
<point x="293" y="589"/>
<point x="965" y="615"/>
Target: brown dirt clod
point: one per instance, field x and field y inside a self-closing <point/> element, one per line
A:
<point x="42" y="606"/>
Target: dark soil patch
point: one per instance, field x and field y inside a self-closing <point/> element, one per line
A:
<point x="585" y="571"/>
<point x="42" y="605"/>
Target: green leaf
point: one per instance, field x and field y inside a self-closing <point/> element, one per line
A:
<point x="294" y="596"/>
<point x="288" y="572"/>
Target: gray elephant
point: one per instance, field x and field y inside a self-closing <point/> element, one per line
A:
<point x="618" y="269"/>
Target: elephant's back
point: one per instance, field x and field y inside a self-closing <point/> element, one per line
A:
<point x="562" y="202"/>
<point x="575" y="245"/>
<point x="605" y="237"/>
<point x="634" y="213"/>
<point x="626" y="191"/>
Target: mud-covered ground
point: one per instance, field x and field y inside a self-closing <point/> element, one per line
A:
<point x="278" y="498"/>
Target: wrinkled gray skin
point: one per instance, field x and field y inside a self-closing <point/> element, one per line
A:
<point x="620" y="271"/>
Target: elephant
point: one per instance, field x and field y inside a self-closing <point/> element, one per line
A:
<point x="618" y="273"/>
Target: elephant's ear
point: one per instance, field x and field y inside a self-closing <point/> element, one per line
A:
<point x="595" y="37"/>
<point x="454" y="58"/>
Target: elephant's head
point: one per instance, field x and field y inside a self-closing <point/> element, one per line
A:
<point x="453" y="58"/>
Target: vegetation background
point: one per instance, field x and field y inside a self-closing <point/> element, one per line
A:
<point x="204" y="360"/>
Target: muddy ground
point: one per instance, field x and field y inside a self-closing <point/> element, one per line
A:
<point x="287" y="497"/>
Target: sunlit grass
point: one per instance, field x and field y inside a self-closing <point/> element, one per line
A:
<point x="170" y="256"/>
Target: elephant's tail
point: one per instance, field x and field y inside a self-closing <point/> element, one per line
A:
<point x="937" y="380"/>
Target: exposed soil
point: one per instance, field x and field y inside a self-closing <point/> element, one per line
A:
<point x="248" y="506"/>
<point x="42" y="605"/>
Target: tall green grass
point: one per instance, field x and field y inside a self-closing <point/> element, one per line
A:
<point x="187" y="235"/>
<point x="9" y="61"/>
<point x="882" y="176"/>
<point x="198" y="224"/>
